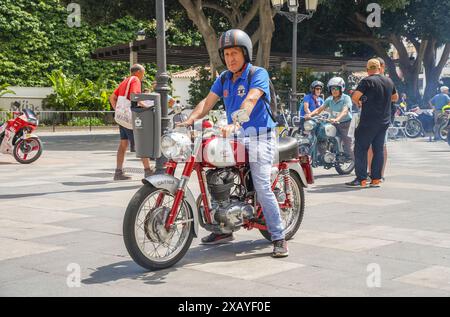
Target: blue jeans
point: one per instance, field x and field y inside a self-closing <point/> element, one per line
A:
<point x="261" y="150"/>
<point x="366" y="136"/>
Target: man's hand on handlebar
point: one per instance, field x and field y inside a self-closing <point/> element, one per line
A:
<point x="185" y="124"/>
<point x="229" y="129"/>
<point x="334" y="121"/>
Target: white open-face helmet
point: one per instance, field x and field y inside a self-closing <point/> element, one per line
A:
<point x="336" y="82"/>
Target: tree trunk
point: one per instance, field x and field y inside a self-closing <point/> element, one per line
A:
<point x="262" y="37"/>
<point x="195" y="12"/>
<point x="266" y="31"/>
<point x="433" y="71"/>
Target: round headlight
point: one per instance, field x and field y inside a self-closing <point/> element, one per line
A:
<point x="309" y="125"/>
<point x="176" y="146"/>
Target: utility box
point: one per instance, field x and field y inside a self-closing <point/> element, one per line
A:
<point x="147" y="124"/>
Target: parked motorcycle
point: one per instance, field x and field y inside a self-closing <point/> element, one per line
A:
<point x="319" y="140"/>
<point x="163" y="217"/>
<point x="17" y="138"/>
<point x="443" y="123"/>
<point x="409" y="121"/>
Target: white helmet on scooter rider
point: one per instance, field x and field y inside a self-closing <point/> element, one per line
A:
<point x="336" y="82"/>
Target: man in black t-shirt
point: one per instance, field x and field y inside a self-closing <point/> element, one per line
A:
<point x="374" y="94"/>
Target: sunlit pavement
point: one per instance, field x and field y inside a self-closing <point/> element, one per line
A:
<point x="64" y="213"/>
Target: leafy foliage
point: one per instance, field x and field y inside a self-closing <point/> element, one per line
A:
<point x="72" y="94"/>
<point x="4" y="90"/>
<point x="199" y="87"/>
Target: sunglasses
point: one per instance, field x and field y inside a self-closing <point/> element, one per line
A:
<point x="336" y="88"/>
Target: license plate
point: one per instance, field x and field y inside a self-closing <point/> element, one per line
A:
<point x="27" y="136"/>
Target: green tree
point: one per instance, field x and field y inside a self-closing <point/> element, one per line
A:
<point x="425" y="24"/>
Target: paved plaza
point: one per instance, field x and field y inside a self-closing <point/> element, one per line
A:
<point x="64" y="213"/>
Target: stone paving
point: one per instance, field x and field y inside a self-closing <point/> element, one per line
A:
<point x="64" y="212"/>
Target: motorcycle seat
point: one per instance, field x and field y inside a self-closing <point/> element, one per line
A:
<point x="287" y="149"/>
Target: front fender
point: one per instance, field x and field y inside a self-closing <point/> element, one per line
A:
<point x="297" y="168"/>
<point x="170" y="184"/>
<point x="29" y="136"/>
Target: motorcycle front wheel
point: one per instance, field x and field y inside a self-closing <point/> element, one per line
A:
<point x="147" y="241"/>
<point x="27" y="151"/>
<point x="291" y="217"/>
<point x="345" y="168"/>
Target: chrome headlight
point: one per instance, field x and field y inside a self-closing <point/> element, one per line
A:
<point x="309" y="125"/>
<point x="176" y="146"/>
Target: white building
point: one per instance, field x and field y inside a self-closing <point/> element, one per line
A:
<point x="26" y="97"/>
<point x="181" y="82"/>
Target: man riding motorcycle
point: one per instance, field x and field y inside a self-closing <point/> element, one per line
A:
<point x="339" y="105"/>
<point x="248" y="98"/>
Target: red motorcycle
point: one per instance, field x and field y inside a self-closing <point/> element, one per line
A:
<point x="163" y="217"/>
<point x="16" y="137"/>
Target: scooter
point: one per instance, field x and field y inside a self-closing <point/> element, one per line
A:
<point x="17" y="138"/>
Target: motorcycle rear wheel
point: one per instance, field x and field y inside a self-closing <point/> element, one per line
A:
<point x="443" y="130"/>
<point x="143" y="229"/>
<point x="291" y="217"/>
<point x="413" y="128"/>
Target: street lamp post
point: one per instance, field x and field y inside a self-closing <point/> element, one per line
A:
<point x="162" y="77"/>
<point x="295" y="18"/>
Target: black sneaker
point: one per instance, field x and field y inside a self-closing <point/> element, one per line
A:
<point x="280" y="249"/>
<point x="214" y="238"/>
<point x="119" y="175"/>
<point x="357" y="183"/>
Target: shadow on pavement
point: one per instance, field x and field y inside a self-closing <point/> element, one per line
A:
<point x="125" y="270"/>
<point x="94" y="190"/>
<point x="329" y="176"/>
<point x="332" y="188"/>
<point x="197" y="255"/>
<point x="98" y="142"/>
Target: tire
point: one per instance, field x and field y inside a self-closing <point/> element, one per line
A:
<point x="448" y="135"/>
<point x="18" y="147"/>
<point x="443" y="131"/>
<point x="345" y="171"/>
<point x="413" y="128"/>
<point x="137" y="203"/>
<point x="295" y="225"/>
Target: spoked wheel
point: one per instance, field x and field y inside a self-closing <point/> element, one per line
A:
<point x="290" y="217"/>
<point x="413" y="128"/>
<point x="344" y="166"/>
<point x="443" y="130"/>
<point x="27" y="151"/>
<point x="148" y="242"/>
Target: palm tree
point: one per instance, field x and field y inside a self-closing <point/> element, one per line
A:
<point x="4" y="90"/>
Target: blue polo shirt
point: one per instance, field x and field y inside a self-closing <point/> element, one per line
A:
<point x="313" y="104"/>
<point x="336" y="107"/>
<point x="233" y="94"/>
<point x="440" y="100"/>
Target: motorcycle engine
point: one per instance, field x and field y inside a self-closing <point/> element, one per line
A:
<point x="227" y="210"/>
<point x="329" y="157"/>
